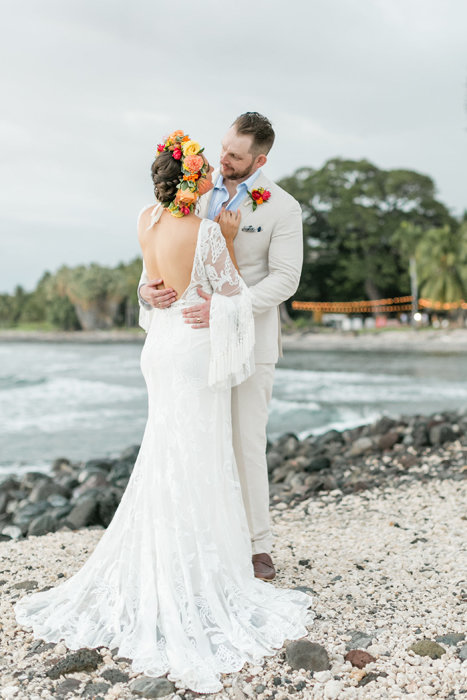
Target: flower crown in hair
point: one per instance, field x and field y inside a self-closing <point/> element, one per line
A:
<point x="194" y="168"/>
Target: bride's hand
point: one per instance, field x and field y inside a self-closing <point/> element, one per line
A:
<point x="229" y="221"/>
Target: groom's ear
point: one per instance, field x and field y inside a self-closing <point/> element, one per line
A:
<point x="261" y="160"/>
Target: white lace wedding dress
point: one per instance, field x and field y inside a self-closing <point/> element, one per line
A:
<point x="171" y="583"/>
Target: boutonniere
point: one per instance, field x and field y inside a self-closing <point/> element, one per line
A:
<point x="258" y="196"/>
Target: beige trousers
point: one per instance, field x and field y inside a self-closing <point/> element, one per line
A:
<point x="250" y="402"/>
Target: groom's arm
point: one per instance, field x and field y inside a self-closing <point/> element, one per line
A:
<point x="285" y="260"/>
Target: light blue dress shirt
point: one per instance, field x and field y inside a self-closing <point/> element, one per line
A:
<point x="220" y="195"/>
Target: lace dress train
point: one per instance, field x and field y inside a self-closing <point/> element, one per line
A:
<point x="170" y="583"/>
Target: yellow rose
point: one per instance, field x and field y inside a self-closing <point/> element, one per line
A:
<point x="191" y="148"/>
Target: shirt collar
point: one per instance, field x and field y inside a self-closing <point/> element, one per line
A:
<point x="246" y="184"/>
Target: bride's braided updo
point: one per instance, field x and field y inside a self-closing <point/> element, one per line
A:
<point x="166" y="174"/>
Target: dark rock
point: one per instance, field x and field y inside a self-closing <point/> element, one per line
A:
<point x="277" y="680"/>
<point x="359" y="658"/>
<point x="441" y="433"/>
<point x="371" y="676"/>
<point x="107" y="505"/>
<point x="94" y="481"/>
<point x="44" y="489"/>
<point x="104" y="464"/>
<point x="81" y="660"/>
<point x="274" y="460"/>
<point x="147" y="687"/>
<point x="42" y="525"/>
<point x="4" y="500"/>
<point x="24" y="515"/>
<point x="420" y="435"/>
<point x="85" y="512"/>
<point x="451" y="639"/>
<point x="359" y="639"/>
<point x="259" y="688"/>
<point x="30" y="479"/>
<point x="93" y="688"/>
<point x="382" y="426"/>
<point x="427" y="647"/>
<point x="114" y="675"/>
<point x="307" y="655"/>
<point x="317" y="464"/>
<point x="25" y="585"/>
<point x="387" y="441"/>
<point x="130" y="453"/>
<point x="57" y="501"/>
<point x="121" y="470"/>
<point x="463" y="652"/>
<point x="329" y="437"/>
<point x="300" y="685"/>
<point x="8" y="483"/>
<point x="70" y="685"/>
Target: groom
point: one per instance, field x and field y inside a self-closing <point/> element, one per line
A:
<point x="269" y="253"/>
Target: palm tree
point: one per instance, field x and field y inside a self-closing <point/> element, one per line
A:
<point x="407" y="237"/>
<point x="442" y="263"/>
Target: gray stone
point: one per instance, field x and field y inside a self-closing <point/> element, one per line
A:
<point x="42" y="525"/>
<point x="307" y="655"/>
<point x="25" y="585"/>
<point x="259" y="689"/>
<point x="360" y="640"/>
<point x="70" y="685"/>
<point x="107" y="505"/>
<point x="84" y="513"/>
<point x="81" y="660"/>
<point x="441" y="433"/>
<point x="420" y="435"/>
<point x="92" y="689"/>
<point x="463" y="652"/>
<point x="451" y="639"/>
<point x="360" y="447"/>
<point x="24" y="515"/>
<point x="147" y="687"/>
<point x="130" y="453"/>
<point x="114" y="675"/>
<point x="274" y="460"/>
<point x="427" y="647"/>
<point x="44" y="489"/>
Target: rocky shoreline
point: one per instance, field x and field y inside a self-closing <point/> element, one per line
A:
<point x="389" y="452"/>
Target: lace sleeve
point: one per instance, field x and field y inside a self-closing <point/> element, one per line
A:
<point x="232" y="331"/>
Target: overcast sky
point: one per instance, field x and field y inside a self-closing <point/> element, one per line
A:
<point x="89" y="87"/>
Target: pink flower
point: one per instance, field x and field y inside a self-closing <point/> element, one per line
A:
<point x="256" y="194"/>
<point x="266" y="195"/>
<point x="177" y="153"/>
<point x="160" y="147"/>
<point x="185" y="210"/>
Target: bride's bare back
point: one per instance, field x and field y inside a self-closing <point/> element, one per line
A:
<point x="169" y="248"/>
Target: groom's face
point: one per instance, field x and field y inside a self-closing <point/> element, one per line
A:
<point x="236" y="161"/>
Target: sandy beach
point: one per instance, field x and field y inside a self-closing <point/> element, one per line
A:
<point x="402" y="582"/>
<point x="425" y="341"/>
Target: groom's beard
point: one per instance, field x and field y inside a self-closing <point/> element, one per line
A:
<point x="232" y="174"/>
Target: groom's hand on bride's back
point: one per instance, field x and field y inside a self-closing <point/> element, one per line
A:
<point x="159" y="298"/>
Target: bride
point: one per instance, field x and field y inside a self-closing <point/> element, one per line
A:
<point x="171" y="583"/>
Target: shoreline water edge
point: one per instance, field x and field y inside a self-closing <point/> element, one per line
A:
<point x="408" y="340"/>
<point x="388" y="452"/>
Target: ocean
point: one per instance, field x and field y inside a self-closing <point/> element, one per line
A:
<point x="82" y="401"/>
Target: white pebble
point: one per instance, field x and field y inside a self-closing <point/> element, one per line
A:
<point x="9" y="691"/>
<point x="322" y="676"/>
<point x="332" y="689"/>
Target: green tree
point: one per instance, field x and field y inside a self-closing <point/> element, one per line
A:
<point x="351" y="210"/>
<point x="442" y="264"/>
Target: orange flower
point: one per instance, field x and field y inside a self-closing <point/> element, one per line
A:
<point x="185" y="138"/>
<point x="193" y="163"/>
<point x="174" y="134"/>
<point x="186" y="197"/>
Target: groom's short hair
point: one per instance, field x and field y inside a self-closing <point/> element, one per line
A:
<point x="259" y="127"/>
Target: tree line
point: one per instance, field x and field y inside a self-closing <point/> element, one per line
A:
<point x="369" y="233"/>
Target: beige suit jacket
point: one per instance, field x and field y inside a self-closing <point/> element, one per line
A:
<point x="269" y="252"/>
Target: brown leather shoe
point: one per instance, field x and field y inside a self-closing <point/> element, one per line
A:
<point x="263" y="566"/>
